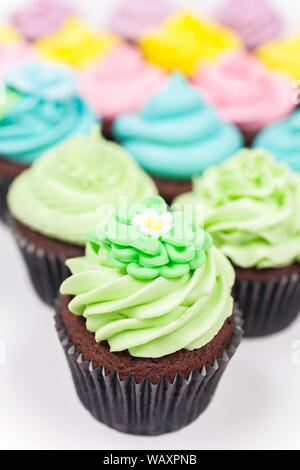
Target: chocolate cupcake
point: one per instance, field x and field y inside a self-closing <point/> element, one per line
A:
<point x="176" y="136"/>
<point x="252" y="211"/>
<point x="147" y="319"/>
<point x="62" y="196"/>
<point x="41" y="109"/>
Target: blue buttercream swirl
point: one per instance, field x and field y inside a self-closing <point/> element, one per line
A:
<point x="47" y="111"/>
<point x="283" y="140"/>
<point x="177" y="135"/>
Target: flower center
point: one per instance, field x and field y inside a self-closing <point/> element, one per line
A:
<point x="154" y="224"/>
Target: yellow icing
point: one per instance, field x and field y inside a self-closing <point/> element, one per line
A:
<point x="283" y="54"/>
<point x="76" y="44"/>
<point x="8" y="34"/>
<point x="185" y="42"/>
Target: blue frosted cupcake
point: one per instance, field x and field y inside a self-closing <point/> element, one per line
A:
<point x="41" y="109"/>
<point x="177" y="136"/>
<point x="283" y="139"/>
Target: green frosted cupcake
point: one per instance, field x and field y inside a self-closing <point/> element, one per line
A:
<point x="252" y="211"/>
<point x="63" y="195"/>
<point x="147" y="315"/>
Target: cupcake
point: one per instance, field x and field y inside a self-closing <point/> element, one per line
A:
<point x="15" y="53"/>
<point x="255" y="21"/>
<point x="8" y="34"/>
<point x="176" y="136"/>
<point x="40" y="18"/>
<point x="245" y="92"/>
<point x="147" y="315"/>
<point x="56" y="202"/>
<point x="133" y="17"/>
<point x="185" y="42"/>
<point x="282" y="54"/>
<point x="252" y="211"/>
<point x="283" y="140"/>
<point x="41" y="110"/>
<point x="120" y="83"/>
<point x="75" y="44"/>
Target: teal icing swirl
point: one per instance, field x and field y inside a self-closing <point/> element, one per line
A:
<point x="177" y="135"/>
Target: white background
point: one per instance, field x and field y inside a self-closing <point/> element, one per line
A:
<point x="257" y="404"/>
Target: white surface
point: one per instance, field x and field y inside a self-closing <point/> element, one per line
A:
<point x="256" y="405"/>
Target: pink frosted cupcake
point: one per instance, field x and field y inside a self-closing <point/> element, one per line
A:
<point x="256" y="21"/>
<point x="15" y="53"/>
<point x="245" y="92"/>
<point x="134" y="16"/>
<point x="40" y="18"/>
<point x="122" y="82"/>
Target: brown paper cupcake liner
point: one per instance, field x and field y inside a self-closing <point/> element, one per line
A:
<point x="268" y="306"/>
<point x="46" y="270"/>
<point x="144" y="408"/>
<point x="4" y="185"/>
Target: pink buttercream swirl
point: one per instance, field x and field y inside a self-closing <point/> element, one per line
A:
<point x="245" y="92"/>
<point x="133" y="17"/>
<point x="122" y="82"/>
<point x="15" y="53"/>
<point x="256" y="21"/>
<point x="40" y="18"/>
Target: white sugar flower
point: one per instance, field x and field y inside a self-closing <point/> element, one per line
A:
<point x="152" y="223"/>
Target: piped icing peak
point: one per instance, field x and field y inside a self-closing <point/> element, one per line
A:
<point x="47" y="111"/>
<point x="244" y="91"/>
<point x="282" y="54"/>
<point x="148" y="241"/>
<point x="252" y="206"/>
<point x="282" y="138"/>
<point x="75" y="44"/>
<point x="133" y="17"/>
<point x="75" y="185"/>
<point x="147" y="289"/>
<point x="120" y="82"/>
<point x="177" y="134"/>
<point x="40" y="18"/>
<point x="185" y="42"/>
<point x="256" y="21"/>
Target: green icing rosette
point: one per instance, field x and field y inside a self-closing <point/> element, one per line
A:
<point x="150" y="282"/>
<point x="75" y="185"/>
<point x="252" y="209"/>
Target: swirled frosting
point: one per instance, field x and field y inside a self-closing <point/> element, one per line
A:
<point x="150" y="317"/>
<point x="119" y="83"/>
<point x="245" y="92"/>
<point x="133" y="17"/>
<point x="75" y="44"/>
<point x="8" y="34"/>
<point x="252" y="207"/>
<point x="40" y="18"/>
<point x="148" y="241"/>
<point x="47" y="111"/>
<point x="13" y="54"/>
<point x="185" y="42"/>
<point x="76" y="185"/>
<point x="282" y="138"/>
<point x="177" y="135"/>
<point x="256" y="21"/>
<point x="282" y="54"/>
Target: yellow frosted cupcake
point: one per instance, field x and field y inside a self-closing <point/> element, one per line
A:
<point x="184" y="42"/>
<point x="8" y="34"/>
<point x="76" y="44"/>
<point x="283" y="55"/>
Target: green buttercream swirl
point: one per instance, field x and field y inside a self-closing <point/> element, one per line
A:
<point x="171" y="249"/>
<point x="252" y="209"/>
<point x="151" y="318"/>
<point x="76" y="185"/>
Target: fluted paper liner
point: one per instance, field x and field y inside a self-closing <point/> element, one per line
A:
<point x="145" y="408"/>
<point x="268" y="306"/>
<point x="46" y="270"/>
